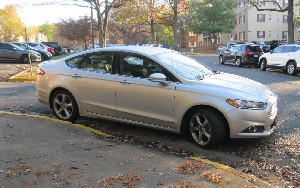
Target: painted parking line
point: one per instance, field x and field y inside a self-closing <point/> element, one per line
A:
<point x="57" y="120"/>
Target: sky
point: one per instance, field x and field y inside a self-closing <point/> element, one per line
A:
<point x="38" y="15"/>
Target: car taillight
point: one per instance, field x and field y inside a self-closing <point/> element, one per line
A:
<point x="247" y="52"/>
<point x="41" y="72"/>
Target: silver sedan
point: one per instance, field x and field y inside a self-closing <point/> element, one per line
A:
<point x="159" y="88"/>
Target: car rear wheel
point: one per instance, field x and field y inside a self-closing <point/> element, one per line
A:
<point x="221" y="59"/>
<point x="263" y="65"/>
<point x="25" y="59"/>
<point x="64" y="106"/>
<point x="206" y="127"/>
<point x="238" y="62"/>
<point x="291" y="68"/>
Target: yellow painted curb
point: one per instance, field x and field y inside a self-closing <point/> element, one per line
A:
<point x="60" y="121"/>
<point x="15" y="79"/>
<point x="215" y="164"/>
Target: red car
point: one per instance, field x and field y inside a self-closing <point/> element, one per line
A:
<point x="51" y="50"/>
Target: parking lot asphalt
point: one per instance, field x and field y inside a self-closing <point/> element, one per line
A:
<point x="45" y="152"/>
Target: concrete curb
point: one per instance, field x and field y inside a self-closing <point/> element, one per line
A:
<point x="16" y="78"/>
<point x="229" y="176"/>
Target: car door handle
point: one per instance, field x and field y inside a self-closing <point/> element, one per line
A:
<point x="125" y="82"/>
<point x="76" y="76"/>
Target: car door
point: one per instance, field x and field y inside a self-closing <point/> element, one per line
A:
<point x="139" y="99"/>
<point x="7" y="53"/>
<point x="92" y="82"/>
<point x="273" y="58"/>
<point x="231" y="53"/>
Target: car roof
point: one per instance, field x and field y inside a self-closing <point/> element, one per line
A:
<point x="147" y="50"/>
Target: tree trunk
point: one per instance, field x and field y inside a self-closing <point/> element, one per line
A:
<point x="175" y="27"/>
<point x="291" y="24"/>
<point x="152" y="31"/>
<point x="99" y="17"/>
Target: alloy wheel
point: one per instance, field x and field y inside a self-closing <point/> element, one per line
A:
<point x="200" y="129"/>
<point x="63" y="106"/>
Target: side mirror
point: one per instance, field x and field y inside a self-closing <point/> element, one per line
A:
<point x="160" y="78"/>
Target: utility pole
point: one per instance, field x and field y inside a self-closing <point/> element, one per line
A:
<point x="28" y="51"/>
<point x="92" y="26"/>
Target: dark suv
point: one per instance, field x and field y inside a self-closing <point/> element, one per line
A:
<point x="55" y="45"/>
<point x="242" y="54"/>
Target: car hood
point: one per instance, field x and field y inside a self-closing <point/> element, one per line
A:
<point x="235" y="87"/>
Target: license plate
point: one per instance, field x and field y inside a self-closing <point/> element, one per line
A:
<point x="255" y="55"/>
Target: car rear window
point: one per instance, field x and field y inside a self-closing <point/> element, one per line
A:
<point x="254" y="48"/>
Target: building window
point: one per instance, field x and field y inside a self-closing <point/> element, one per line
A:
<point x="260" y="34"/>
<point x="192" y="34"/>
<point x="261" y="17"/>
<point x="284" y="34"/>
<point x="270" y="34"/>
<point x="277" y="34"/>
<point x="192" y="44"/>
<point x="285" y="19"/>
<point x="242" y="3"/>
<point x="270" y="17"/>
<point x="285" y="3"/>
<point x="242" y="19"/>
<point x="242" y="36"/>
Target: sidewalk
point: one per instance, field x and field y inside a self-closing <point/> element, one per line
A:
<point x="45" y="152"/>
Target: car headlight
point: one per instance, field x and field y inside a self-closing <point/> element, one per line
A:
<point x="243" y="104"/>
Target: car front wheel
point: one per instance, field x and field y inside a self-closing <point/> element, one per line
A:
<point x="25" y="59"/>
<point x="238" y="61"/>
<point x="263" y="65"/>
<point x="206" y="127"/>
<point x="291" y="68"/>
<point x="221" y="59"/>
<point x="64" y="106"/>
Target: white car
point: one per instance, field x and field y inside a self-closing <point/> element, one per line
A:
<point x="285" y="57"/>
<point x="158" y="88"/>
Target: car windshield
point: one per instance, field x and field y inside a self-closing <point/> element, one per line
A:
<point x="185" y="66"/>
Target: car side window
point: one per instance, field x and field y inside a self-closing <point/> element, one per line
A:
<point x="287" y="49"/>
<point x="99" y="61"/>
<point x="142" y="67"/>
<point x="6" y="46"/>
<point x="138" y="66"/>
<point x="278" y="50"/>
<point x="296" y="48"/>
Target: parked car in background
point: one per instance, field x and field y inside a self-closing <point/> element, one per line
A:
<point x="139" y="85"/>
<point x="45" y="55"/>
<point x="225" y="47"/>
<point x="265" y="47"/>
<point x="275" y="43"/>
<point x="241" y="54"/>
<point x="13" y="53"/>
<point x="40" y="46"/>
<point x="51" y="50"/>
<point x="55" y="45"/>
<point x="285" y="57"/>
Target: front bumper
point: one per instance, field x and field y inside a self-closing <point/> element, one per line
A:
<point x="254" y="123"/>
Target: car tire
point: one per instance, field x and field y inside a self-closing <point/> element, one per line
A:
<point x="221" y="60"/>
<point x="206" y="127"/>
<point x="24" y="59"/>
<point x="238" y="61"/>
<point x="291" y="68"/>
<point x="263" y="65"/>
<point x="64" y="106"/>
